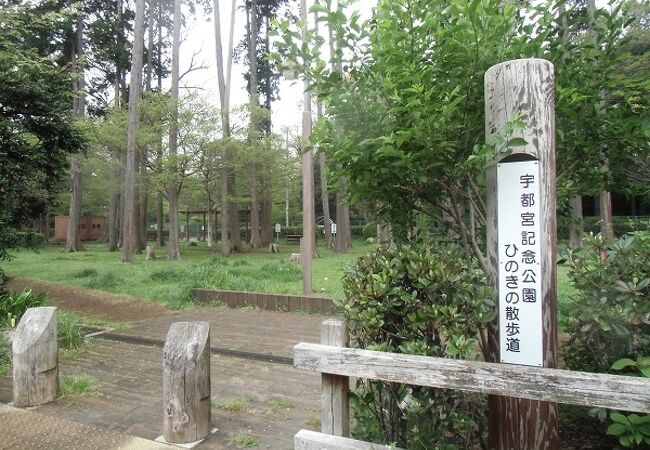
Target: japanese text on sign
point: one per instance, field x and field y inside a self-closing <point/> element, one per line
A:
<point x="520" y="296"/>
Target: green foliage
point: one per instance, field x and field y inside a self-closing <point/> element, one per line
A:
<point x="242" y="439"/>
<point x="69" y="329"/>
<point x="78" y="386"/>
<point x="412" y="79"/>
<point x="29" y="239"/>
<point x="5" y="357"/>
<point x="281" y="271"/>
<point x="239" y="404"/>
<point x="423" y="299"/>
<point x="13" y="305"/>
<point x="37" y="131"/>
<point x="85" y="273"/>
<point x="106" y="280"/>
<point x="632" y="430"/>
<point x="610" y="315"/>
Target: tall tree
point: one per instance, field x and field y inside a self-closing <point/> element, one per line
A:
<point x="174" y="252"/>
<point x="73" y="240"/>
<point x="255" y="240"/>
<point x="129" y="220"/>
<point x="37" y="131"/>
<point x="228" y="206"/>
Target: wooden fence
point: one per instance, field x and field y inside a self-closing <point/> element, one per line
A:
<point x="338" y="363"/>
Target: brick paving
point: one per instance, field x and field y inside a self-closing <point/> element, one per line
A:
<point x="278" y="399"/>
<point x="53" y="433"/>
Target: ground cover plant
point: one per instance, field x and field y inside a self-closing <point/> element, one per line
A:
<point x="171" y="282"/>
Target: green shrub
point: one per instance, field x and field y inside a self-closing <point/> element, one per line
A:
<point x="369" y="231"/>
<point x="29" y="239"/>
<point x="423" y="299"/>
<point x="13" y="305"/>
<point x="610" y="314"/>
<point x="631" y="430"/>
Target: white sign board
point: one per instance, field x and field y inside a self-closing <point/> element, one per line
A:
<point x="333" y="228"/>
<point x="278" y="227"/>
<point x="519" y="237"/>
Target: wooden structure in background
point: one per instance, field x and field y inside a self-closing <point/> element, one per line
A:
<point x="91" y="228"/>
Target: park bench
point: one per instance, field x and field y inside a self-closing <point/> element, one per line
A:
<point x="294" y="238"/>
<point x="337" y="363"/>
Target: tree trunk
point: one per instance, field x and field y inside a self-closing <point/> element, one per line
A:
<point x="114" y="206"/>
<point x="174" y="251"/>
<point x="576" y="224"/>
<point x="227" y="171"/>
<point x="160" y="230"/>
<point x="606" y="219"/>
<point x="73" y="240"/>
<point x="129" y="218"/>
<point x="209" y="230"/>
<point x="144" y="200"/>
<point x="329" y="241"/>
<point x="267" y="212"/>
<point x="255" y="241"/>
<point x="343" y="232"/>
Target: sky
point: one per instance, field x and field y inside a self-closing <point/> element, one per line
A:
<point x="199" y="38"/>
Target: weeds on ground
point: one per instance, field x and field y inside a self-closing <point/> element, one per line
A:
<point x="280" y="404"/>
<point x="70" y="331"/>
<point x="238" y="404"/>
<point x="313" y="422"/>
<point x="78" y="386"/>
<point x="243" y="439"/>
<point x="85" y="273"/>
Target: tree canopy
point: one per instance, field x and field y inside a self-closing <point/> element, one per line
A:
<point x="37" y="131"/>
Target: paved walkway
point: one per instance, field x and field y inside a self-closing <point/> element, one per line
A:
<point x="245" y="330"/>
<point x="27" y="430"/>
<point x="256" y="403"/>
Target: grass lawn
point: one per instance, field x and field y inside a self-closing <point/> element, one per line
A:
<point x="170" y="281"/>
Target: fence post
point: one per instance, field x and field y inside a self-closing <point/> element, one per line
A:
<point x="35" y="358"/>
<point x="335" y="417"/>
<point x="524" y="87"/>
<point x="186" y="383"/>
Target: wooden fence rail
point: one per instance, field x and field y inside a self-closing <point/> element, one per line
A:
<point x="534" y="383"/>
<point x="338" y="363"/>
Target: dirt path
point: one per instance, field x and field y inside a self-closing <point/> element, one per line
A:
<point x="92" y="303"/>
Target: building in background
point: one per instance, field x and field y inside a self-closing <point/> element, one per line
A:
<point x="91" y="228"/>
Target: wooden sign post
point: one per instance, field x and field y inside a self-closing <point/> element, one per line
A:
<point x="521" y="237"/>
